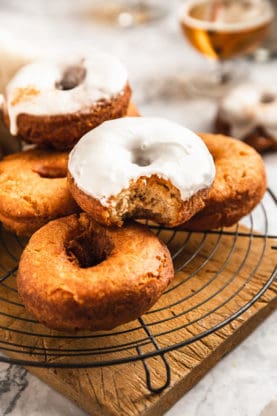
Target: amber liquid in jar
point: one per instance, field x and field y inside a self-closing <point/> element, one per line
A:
<point x="227" y="28"/>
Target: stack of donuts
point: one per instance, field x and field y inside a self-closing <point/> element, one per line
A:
<point x="89" y="265"/>
<point x="51" y="105"/>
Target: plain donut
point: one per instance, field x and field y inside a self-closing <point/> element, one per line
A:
<point x="239" y="185"/>
<point x="75" y="274"/>
<point x="33" y="190"/>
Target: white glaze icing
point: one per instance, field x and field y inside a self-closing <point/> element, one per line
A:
<point x="105" y="77"/>
<point x="244" y="110"/>
<point x="107" y="158"/>
<point x="230" y="17"/>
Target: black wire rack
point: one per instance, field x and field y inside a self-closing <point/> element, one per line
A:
<point x="190" y="309"/>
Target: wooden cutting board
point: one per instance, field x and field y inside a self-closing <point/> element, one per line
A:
<point x="221" y="273"/>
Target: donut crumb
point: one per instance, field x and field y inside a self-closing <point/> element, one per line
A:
<point x="23" y="94"/>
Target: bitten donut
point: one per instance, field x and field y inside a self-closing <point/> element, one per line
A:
<point x="33" y="190"/>
<point x="239" y="184"/>
<point x="249" y="113"/>
<point x="143" y="168"/>
<point x="76" y="274"/>
<point x="54" y="103"/>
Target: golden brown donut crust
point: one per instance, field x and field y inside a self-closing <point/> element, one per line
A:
<point x="62" y="131"/>
<point x="239" y="184"/>
<point x="150" y="198"/>
<point x="258" y="138"/>
<point x="33" y="190"/>
<point x="135" y="269"/>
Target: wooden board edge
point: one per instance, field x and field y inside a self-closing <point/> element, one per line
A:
<point x="176" y="392"/>
<point x="173" y="393"/>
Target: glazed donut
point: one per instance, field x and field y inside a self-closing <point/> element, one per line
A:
<point x="249" y="113"/>
<point x="239" y="184"/>
<point x="141" y="168"/>
<point x="55" y="103"/>
<point x="78" y="275"/>
<point x="33" y="190"/>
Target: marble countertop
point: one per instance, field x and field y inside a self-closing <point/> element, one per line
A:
<point x="160" y="64"/>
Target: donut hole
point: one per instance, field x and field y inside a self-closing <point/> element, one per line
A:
<point x="267" y="98"/>
<point x="89" y="248"/>
<point x="72" y="77"/>
<point x="141" y="159"/>
<point x="50" y="172"/>
<point x="140" y="156"/>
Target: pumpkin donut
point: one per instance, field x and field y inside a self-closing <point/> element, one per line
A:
<point x="239" y="185"/>
<point x="142" y="168"/>
<point x="33" y="190"/>
<point x="54" y="103"/>
<point x="75" y="274"/>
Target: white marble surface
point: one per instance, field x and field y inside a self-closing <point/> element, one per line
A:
<point x="244" y="383"/>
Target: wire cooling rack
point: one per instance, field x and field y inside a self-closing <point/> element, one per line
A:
<point x="190" y="309"/>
